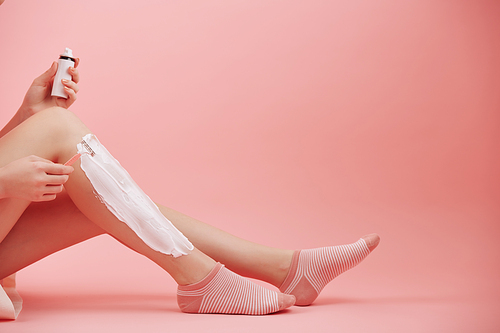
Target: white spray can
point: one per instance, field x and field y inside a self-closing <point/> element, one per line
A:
<point x="66" y="60"/>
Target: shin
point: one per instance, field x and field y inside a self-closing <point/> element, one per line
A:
<point x="125" y="199"/>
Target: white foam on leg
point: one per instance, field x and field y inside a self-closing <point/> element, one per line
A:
<point x="125" y="199"/>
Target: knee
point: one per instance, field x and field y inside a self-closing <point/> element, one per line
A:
<point x="61" y="130"/>
<point x="58" y="117"/>
<point x="61" y="123"/>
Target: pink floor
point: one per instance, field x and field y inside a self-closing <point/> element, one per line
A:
<point x="294" y="124"/>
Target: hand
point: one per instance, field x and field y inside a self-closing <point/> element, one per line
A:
<point x="33" y="178"/>
<point x="38" y="97"/>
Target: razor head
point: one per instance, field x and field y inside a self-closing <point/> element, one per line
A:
<point x="88" y="148"/>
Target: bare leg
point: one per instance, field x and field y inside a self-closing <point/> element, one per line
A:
<point x="48" y="227"/>
<point x="244" y="257"/>
<point x="241" y="256"/>
<point x="43" y="229"/>
<point x="53" y="134"/>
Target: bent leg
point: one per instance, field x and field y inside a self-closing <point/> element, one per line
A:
<point x="47" y="227"/>
<point x="43" y="229"/>
<point x="53" y="134"/>
<point x="41" y="135"/>
<point x="58" y="133"/>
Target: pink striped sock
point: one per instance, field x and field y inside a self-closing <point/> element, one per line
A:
<point x="223" y="291"/>
<point x="311" y="270"/>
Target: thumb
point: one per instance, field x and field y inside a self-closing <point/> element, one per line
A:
<point x="48" y="76"/>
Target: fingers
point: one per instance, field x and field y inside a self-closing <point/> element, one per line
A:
<point x="71" y="85"/>
<point x="71" y="88"/>
<point x="71" y="97"/>
<point x="57" y="169"/>
<point x="34" y="178"/>
<point x="51" y="168"/>
<point x="57" y="176"/>
<point x="56" y="180"/>
<point x="45" y="197"/>
<point x="75" y="74"/>
<point x="49" y="74"/>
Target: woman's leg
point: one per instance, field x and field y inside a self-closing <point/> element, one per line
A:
<point x="47" y="227"/>
<point x="54" y="134"/>
<point x="300" y="273"/>
<point x="241" y="256"/>
<point x="43" y="229"/>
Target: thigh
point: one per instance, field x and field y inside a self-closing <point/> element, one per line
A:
<point x="51" y="134"/>
<point x="45" y="134"/>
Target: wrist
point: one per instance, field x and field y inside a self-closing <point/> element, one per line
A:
<point x="24" y="113"/>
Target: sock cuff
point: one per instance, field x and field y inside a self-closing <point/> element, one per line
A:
<point x="205" y="281"/>
<point x="291" y="272"/>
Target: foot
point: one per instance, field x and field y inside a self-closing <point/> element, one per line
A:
<point x="223" y="291"/>
<point x="371" y="241"/>
<point x="311" y="270"/>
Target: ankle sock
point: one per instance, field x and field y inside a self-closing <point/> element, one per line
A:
<point x="223" y="291"/>
<point x="311" y="270"/>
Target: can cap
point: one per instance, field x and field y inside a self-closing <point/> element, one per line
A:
<point x="67" y="53"/>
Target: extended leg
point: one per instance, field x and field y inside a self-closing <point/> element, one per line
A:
<point x="57" y="144"/>
<point x="241" y="256"/>
<point x="311" y="270"/>
<point x="276" y="266"/>
<point x="53" y="134"/>
<point x="45" y="228"/>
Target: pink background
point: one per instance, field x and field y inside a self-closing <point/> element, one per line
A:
<point x="290" y="123"/>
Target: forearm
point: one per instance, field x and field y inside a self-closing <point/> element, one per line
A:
<point x="38" y="96"/>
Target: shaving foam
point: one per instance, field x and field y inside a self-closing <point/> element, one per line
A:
<point x="125" y="199"/>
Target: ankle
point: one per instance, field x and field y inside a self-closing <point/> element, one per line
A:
<point x="313" y="269"/>
<point x="223" y="291"/>
<point x="283" y="268"/>
<point x="191" y="268"/>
